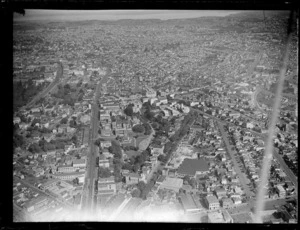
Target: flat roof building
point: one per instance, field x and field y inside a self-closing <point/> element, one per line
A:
<point x="220" y="216"/>
<point x="193" y="167"/>
<point x="172" y="184"/>
<point x="190" y="204"/>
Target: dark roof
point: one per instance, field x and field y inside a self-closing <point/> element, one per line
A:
<point x="190" y="166"/>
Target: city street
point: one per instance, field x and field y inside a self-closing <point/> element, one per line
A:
<point x="242" y="176"/>
<point x="59" y="75"/>
<point x="89" y="189"/>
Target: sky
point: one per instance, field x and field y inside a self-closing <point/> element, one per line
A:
<point x="78" y="15"/>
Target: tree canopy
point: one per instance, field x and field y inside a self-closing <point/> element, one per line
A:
<point x="104" y="172"/>
<point x="115" y="149"/>
<point x="129" y="110"/>
<point x="138" y="128"/>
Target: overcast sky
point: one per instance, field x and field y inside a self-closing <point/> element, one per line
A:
<point x="77" y="15"/>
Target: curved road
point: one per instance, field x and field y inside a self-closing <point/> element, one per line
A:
<point x="50" y="87"/>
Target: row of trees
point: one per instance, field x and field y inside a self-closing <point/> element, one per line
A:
<point x="143" y="189"/>
<point x="44" y="146"/>
<point x="172" y="144"/>
<point x="23" y="92"/>
<point x="116" y="150"/>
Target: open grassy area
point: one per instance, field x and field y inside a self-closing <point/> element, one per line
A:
<point x="140" y="139"/>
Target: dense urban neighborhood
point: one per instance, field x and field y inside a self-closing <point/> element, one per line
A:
<point x="153" y="120"/>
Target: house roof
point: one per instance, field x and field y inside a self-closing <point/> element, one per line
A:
<point x="212" y="199"/>
<point x="188" y="202"/>
<point x="172" y="182"/>
<point x="191" y="166"/>
<point x="78" y="161"/>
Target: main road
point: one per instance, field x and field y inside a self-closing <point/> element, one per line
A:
<point x="88" y="199"/>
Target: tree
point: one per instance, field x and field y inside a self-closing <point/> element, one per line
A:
<point x="67" y="86"/>
<point x="64" y="120"/>
<point x="97" y="142"/>
<point x="104" y="172"/>
<point x="59" y="145"/>
<point x="141" y="186"/>
<point x="138" y="129"/>
<point x="115" y="149"/>
<point x="72" y="123"/>
<point x="76" y="181"/>
<point x="74" y="139"/>
<point x="127" y="166"/>
<point x="136" y="193"/>
<point x="193" y="183"/>
<point x="129" y="110"/>
<point x="168" y="147"/>
<point x="148" y="129"/>
<point x="18" y="140"/>
<point x="161" y="158"/>
<point x="155" y="125"/>
<point x="34" y="148"/>
<point x="136" y="167"/>
<point x="35" y="121"/>
<point x="148" y="114"/>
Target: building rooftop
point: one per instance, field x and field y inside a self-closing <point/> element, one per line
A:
<point x="172" y="182"/>
<point x="188" y="202"/>
<point x="216" y="217"/>
<point x="191" y="166"/>
<point x="212" y="199"/>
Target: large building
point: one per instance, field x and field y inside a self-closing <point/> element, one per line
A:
<point x="281" y="191"/>
<point x="190" y="203"/>
<point x="212" y="202"/>
<point x="107" y="186"/>
<point x="172" y="184"/>
<point x="80" y="163"/>
<point x="192" y="167"/>
<point x="70" y="176"/>
<point x="219" y="217"/>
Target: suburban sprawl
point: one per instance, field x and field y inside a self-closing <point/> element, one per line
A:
<point x="153" y="120"/>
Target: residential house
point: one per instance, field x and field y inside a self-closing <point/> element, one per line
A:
<point x="227" y="203"/>
<point x="212" y="202"/>
<point x="236" y="200"/>
<point x="80" y="163"/>
<point x="131" y="178"/>
<point x="281" y="191"/>
<point x="220" y="192"/>
<point x="107" y="186"/>
<point x="103" y="161"/>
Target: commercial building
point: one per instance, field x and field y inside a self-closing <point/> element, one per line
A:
<point x="79" y="163"/>
<point x="212" y="202"/>
<point x="220" y="216"/>
<point x="107" y="186"/>
<point x="172" y="184"/>
<point x="190" y="204"/>
<point x="281" y="191"/>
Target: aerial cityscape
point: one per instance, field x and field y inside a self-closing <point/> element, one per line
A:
<point x="141" y="118"/>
